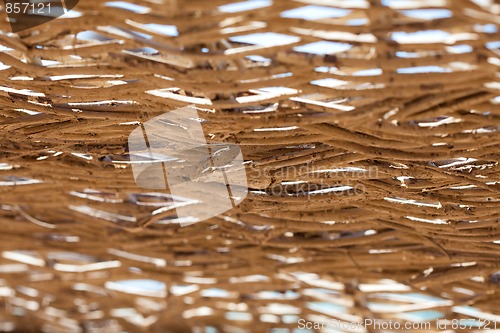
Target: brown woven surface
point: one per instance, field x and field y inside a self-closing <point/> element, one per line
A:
<point x="422" y="219"/>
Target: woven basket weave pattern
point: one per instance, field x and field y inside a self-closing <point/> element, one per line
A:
<point x="371" y="135"/>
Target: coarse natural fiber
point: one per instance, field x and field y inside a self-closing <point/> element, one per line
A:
<point x="371" y="135"/>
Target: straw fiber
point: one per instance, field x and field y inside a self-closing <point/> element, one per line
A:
<point x="370" y="131"/>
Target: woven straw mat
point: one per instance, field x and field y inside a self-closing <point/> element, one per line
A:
<point x="370" y="134"/>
